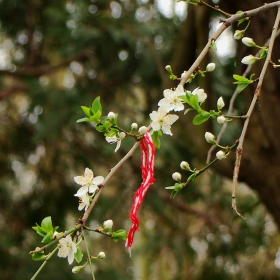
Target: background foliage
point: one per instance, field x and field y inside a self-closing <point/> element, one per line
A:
<point x="58" y="55"/>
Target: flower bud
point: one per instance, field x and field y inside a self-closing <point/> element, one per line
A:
<point x="101" y="255"/>
<point x="111" y="116"/>
<point x="210" y="67"/>
<point x="134" y="126"/>
<point x="184" y="74"/>
<point x="77" y="269"/>
<point x="238" y="34"/>
<point x="220" y="103"/>
<point x="142" y="130"/>
<point x="209" y="137"/>
<point x="221" y="120"/>
<point x="249" y="59"/>
<point x="122" y="135"/>
<point x="107" y="225"/>
<point x="220" y="155"/>
<point x="185" y="165"/>
<point x="176" y="176"/>
<point x="168" y="69"/>
<point x="249" y="42"/>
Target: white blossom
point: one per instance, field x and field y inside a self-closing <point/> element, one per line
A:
<point x="142" y="130"/>
<point x="101" y="255"/>
<point x="185" y="165"/>
<point x="249" y="59"/>
<point x="67" y="248"/>
<point x="221" y="120"/>
<point x="220" y="155"/>
<point x="162" y="120"/>
<point x="220" y="103"/>
<point x="111" y="116"/>
<point x="171" y="100"/>
<point x="200" y="94"/>
<point x="209" y="137"/>
<point x="115" y="139"/>
<point x="176" y="176"/>
<point x="83" y="200"/>
<point x="134" y="126"/>
<point x="88" y="182"/>
<point x="210" y="67"/>
<point x="108" y="224"/>
<point x="249" y="42"/>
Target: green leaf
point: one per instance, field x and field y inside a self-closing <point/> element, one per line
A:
<point x="156" y="139"/>
<point x="194" y="102"/>
<point x="188" y="110"/>
<point x="78" y="255"/>
<point x="38" y="256"/>
<point x="96" y="117"/>
<point x="96" y="105"/>
<point x="100" y="128"/>
<point x="214" y="114"/>
<point x="119" y="234"/>
<point x="83" y="120"/>
<point x="241" y="87"/>
<point x="263" y="53"/>
<point x="39" y="230"/>
<point x="239" y="78"/>
<point x="47" y="224"/>
<point x="200" y="118"/>
<point x="48" y="237"/>
<point x="86" y="110"/>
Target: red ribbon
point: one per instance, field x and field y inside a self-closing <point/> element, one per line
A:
<point x="147" y="158"/>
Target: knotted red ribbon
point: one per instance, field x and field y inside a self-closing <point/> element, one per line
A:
<point x="147" y="165"/>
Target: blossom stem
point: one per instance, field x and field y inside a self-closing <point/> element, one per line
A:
<point x="44" y="263"/>
<point x="89" y="258"/>
<point x="55" y="240"/>
<point x="98" y="231"/>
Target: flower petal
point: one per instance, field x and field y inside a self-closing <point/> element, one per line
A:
<point x="98" y="180"/>
<point x="88" y="174"/>
<point x="82" y="191"/>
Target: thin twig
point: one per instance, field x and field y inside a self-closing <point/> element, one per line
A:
<point x="226" y="23"/>
<point x="231" y="103"/>
<point x="257" y="93"/>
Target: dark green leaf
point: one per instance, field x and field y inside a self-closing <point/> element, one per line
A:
<point x="156" y="139"/>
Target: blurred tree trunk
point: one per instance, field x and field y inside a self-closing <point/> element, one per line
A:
<point x="260" y="167"/>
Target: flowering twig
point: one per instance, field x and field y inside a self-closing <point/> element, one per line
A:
<point x="44" y="263"/>
<point x="257" y="93"/>
<point x="221" y="29"/>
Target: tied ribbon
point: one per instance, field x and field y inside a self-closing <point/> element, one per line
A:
<point x="148" y="158"/>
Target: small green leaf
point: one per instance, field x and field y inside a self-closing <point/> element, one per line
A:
<point x="48" y="237"/>
<point x="78" y="255"/>
<point x="194" y="102"/>
<point x="214" y="114"/>
<point x="119" y="234"/>
<point x="86" y="110"/>
<point x="200" y="118"/>
<point x="47" y="224"/>
<point x="96" y="105"/>
<point x="39" y="256"/>
<point x="96" y="117"/>
<point x="170" y="188"/>
<point x="241" y="87"/>
<point x="156" y="139"/>
<point x="240" y="78"/>
<point x="188" y="110"/>
<point x="100" y="128"/>
<point x="83" y="120"/>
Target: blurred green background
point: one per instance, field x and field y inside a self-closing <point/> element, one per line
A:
<point x="58" y="55"/>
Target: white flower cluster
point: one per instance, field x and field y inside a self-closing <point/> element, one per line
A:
<point x="161" y="120"/>
<point x="89" y="184"/>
